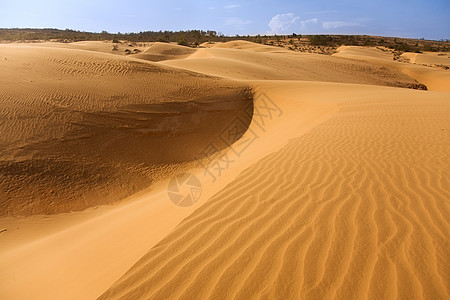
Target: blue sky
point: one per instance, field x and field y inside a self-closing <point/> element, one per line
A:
<point x="402" y="18"/>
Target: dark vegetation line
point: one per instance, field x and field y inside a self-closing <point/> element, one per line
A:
<point x="193" y="38"/>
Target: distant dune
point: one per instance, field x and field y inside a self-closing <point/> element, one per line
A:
<point x="428" y="59"/>
<point x="341" y="190"/>
<point x="434" y="79"/>
<point x="165" y="51"/>
<point x="259" y="62"/>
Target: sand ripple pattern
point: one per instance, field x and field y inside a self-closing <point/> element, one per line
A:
<point x="80" y="128"/>
<point x="356" y="208"/>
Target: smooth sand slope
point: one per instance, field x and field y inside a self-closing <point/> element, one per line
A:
<point x="164" y="51"/>
<point x="343" y="192"/>
<point x="357" y="207"/>
<point x="434" y="78"/>
<point x="247" y="61"/>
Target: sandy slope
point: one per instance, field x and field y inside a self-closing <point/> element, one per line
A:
<point x="239" y="60"/>
<point x="165" y="51"/>
<point x="81" y="128"/>
<point x="434" y="79"/>
<point x="96" y="247"/>
<point x="343" y="193"/>
<point x="357" y="207"/>
<point x="429" y="58"/>
<point x="95" y="46"/>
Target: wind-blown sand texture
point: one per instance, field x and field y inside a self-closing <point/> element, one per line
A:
<point x="343" y="194"/>
<point x="82" y="128"/>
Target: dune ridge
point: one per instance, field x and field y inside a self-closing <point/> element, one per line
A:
<point x="164" y="51"/>
<point x="69" y="116"/>
<point x="336" y="213"/>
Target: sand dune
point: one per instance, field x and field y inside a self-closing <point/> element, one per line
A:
<point x="165" y="51"/>
<point x="257" y="62"/>
<point x="342" y="193"/>
<point x="434" y="79"/>
<point x="244" y="45"/>
<point x="429" y="58"/>
<point x="79" y="127"/>
<point x="94" y="46"/>
<point x="338" y="212"/>
<point x="97" y="246"/>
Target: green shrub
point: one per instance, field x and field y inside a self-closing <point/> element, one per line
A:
<point x="183" y="43"/>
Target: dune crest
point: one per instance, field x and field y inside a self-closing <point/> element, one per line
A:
<point x="165" y="51"/>
<point x="81" y="129"/>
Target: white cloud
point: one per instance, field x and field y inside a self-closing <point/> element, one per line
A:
<point x="231" y="6"/>
<point x="286" y="23"/>
<point x="337" y="24"/>
<point x="305" y="23"/>
<point x="281" y="23"/>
